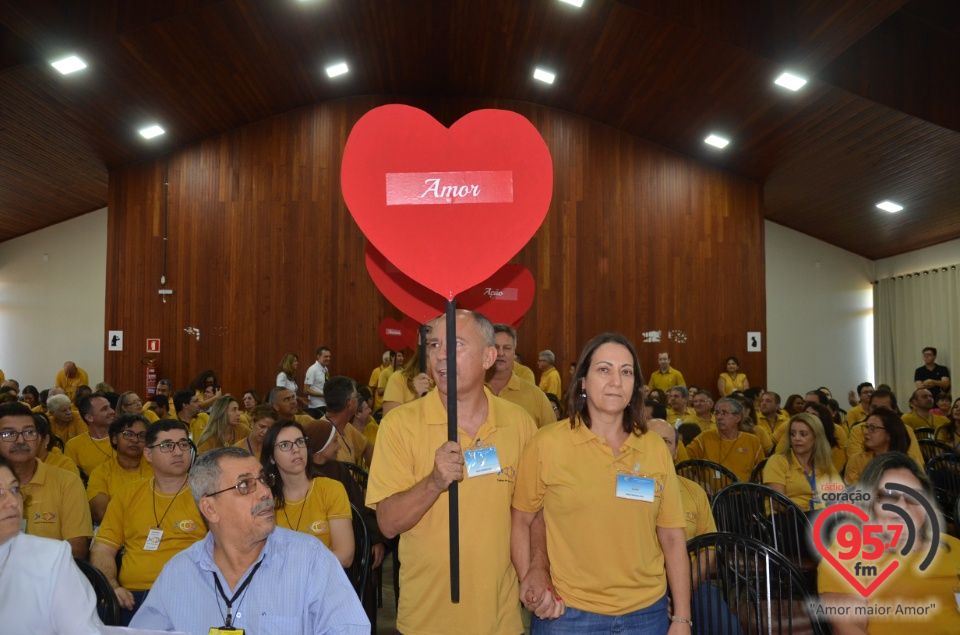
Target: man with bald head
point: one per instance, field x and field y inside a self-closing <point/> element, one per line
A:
<point x="70" y="377"/>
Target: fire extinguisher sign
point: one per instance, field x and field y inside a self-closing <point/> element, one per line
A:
<point x="153" y="345"/>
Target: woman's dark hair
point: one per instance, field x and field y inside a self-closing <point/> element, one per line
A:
<point x="256" y="396"/>
<point x="950" y="428"/>
<point x="788" y="404"/>
<point x="826" y="418"/>
<point x="270" y="467"/>
<point x="555" y="401"/>
<point x="81" y="392"/>
<point x="657" y="395"/>
<point x="633" y="416"/>
<point x="31" y="390"/>
<point x="899" y="439"/>
<point x="733" y="359"/>
<point x="200" y="381"/>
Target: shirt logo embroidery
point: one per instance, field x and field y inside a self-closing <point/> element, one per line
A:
<point x="45" y="517"/>
<point x="319" y="527"/>
<point x="187" y="525"/>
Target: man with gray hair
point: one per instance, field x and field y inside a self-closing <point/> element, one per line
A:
<point x="550" y="376"/>
<point x="65" y="422"/>
<point x="246" y="573"/>
<point x="737" y="451"/>
<point x="505" y="383"/>
<point x="284" y="401"/>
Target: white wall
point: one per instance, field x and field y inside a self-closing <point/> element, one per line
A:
<point x="52" y="300"/>
<point x="819" y="315"/>
<point x="942" y="255"/>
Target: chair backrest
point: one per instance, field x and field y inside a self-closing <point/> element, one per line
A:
<point x="924" y="433"/>
<point x="359" y="571"/>
<point x="107" y="606"/>
<point x="689" y="432"/>
<point x="712" y="477"/>
<point x="765" y="590"/>
<point x="57" y="442"/>
<point x="758" y="512"/>
<point x="756" y="476"/>
<point x="359" y="474"/>
<point x="944" y="471"/>
<point x="930" y="448"/>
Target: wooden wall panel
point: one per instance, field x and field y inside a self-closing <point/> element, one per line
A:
<point x="264" y="258"/>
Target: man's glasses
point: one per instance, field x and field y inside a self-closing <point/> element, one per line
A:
<point x="130" y="435"/>
<point x="286" y="446"/>
<point x="893" y="497"/>
<point x="872" y="428"/>
<point x="10" y="436"/>
<point x="167" y="446"/>
<point x="248" y="485"/>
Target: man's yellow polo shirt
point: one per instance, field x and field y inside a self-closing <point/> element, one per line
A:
<point x="696" y="509"/>
<point x="550" y="383"/>
<point x="88" y="452"/>
<point x="109" y="478"/>
<point x="572" y="475"/>
<point x="489" y="590"/>
<point x="771" y="426"/>
<point x="530" y="398"/>
<point x="855" y="414"/>
<point x="73" y="429"/>
<point x="786" y="470"/>
<point x="738" y="455"/>
<point x="523" y="372"/>
<point x="132" y="513"/>
<point x="666" y="381"/>
<point x="56" y="458"/>
<point x="705" y="424"/>
<point x="55" y="506"/>
<point x="913" y="420"/>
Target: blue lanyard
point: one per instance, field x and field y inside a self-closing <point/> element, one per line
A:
<point x="812" y="479"/>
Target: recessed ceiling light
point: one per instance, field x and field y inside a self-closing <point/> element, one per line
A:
<point x="717" y="141"/>
<point x="889" y="206"/>
<point x="69" y="65"/>
<point x="790" y="81"/>
<point x="576" y="3"/>
<point x="544" y="76"/>
<point x="339" y="68"/>
<point x="151" y="131"/>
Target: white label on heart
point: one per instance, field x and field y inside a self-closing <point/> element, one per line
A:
<point x="448" y="188"/>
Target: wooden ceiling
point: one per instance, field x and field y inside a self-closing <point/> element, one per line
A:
<point x="879" y="119"/>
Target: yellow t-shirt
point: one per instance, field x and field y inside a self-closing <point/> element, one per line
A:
<point x="738" y="455"/>
<point x="550" y="383"/>
<point x="197" y="425"/>
<point x="696" y="509"/>
<point x="212" y="443"/>
<point x="766" y="440"/>
<point x="326" y="500"/>
<point x="943" y="434"/>
<point x="855" y="414"/>
<point x="70" y="385"/>
<point x="73" y="429"/>
<point x="132" y="513"/>
<point x="913" y="420"/>
<point x="523" y="372"/>
<point x="666" y="381"/>
<point x="109" y="478"/>
<point x="397" y="389"/>
<point x="573" y="476"/>
<point x="375" y="377"/>
<point x="705" y="424"/>
<point x="352" y="445"/>
<point x="55" y="506"/>
<point x="530" y="398"/>
<point x="150" y="415"/>
<point x="246" y="445"/>
<point x="489" y="590"/>
<point x="370" y="430"/>
<point x="737" y="382"/>
<point x="682" y="454"/>
<point x="772" y="426"/>
<point x="88" y="452"/>
<point x="56" y="458"/>
<point x="906" y="587"/>
<point x="785" y="471"/>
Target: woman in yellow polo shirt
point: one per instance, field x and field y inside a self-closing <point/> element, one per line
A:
<point x="909" y="599"/>
<point x="950" y="432"/>
<point x="883" y="432"/>
<point x="732" y="380"/>
<point x="611" y="506"/>
<point x="130" y="403"/>
<point x="803" y="471"/>
<point x="224" y="428"/>
<point x="306" y="501"/>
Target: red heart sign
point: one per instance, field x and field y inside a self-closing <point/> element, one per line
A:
<point x="447" y="206"/>
<point x="391" y="334"/>
<point x="849" y="577"/>
<point x="411" y="332"/>
<point x="504" y="297"/>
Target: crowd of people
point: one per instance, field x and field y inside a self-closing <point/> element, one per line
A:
<point x="570" y="505"/>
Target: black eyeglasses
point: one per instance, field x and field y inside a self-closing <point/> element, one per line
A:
<point x="248" y="485"/>
<point x="10" y="436"/>
<point x="286" y="446"/>
<point x="873" y="428"/>
<point x="130" y="435"/>
<point x="167" y="446"/>
<point x="893" y="497"/>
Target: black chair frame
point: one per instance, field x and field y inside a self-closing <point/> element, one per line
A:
<point x="712" y="477"/>
<point x="108" y="608"/>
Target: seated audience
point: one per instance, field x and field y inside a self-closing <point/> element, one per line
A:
<point x="950" y="431"/>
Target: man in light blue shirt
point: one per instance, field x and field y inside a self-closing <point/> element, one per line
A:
<point x="248" y="574"/>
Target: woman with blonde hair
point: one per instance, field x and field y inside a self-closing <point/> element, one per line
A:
<point x="224" y="428"/>
<point x="803" y="470"/>
<point x="286" y="378"/>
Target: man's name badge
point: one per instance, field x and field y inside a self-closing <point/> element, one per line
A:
<point x="635" y="488"/>
<point x="482" y="461"/>
<point x="153" y="540"/>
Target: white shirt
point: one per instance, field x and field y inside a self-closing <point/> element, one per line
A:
<point x="316" y="378"/>
<point x="283" y="382"/>
<point x="42" y="591"/>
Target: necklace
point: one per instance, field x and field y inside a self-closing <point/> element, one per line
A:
<point x="303" y="505"/>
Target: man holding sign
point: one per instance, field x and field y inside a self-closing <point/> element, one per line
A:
<point x="413" y="467"/>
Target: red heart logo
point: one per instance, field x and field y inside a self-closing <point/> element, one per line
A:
<point x="391" y="334"/>
<point x="504" y="297"/>
<point x="448" y="207"/>
<point x="849" y="577"/>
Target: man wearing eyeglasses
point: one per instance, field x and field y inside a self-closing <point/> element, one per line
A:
<point x="55" y="505"/>
<point x="128" y="433"/>
<point x="151" y="519"/>
<point x="247" y="573"/>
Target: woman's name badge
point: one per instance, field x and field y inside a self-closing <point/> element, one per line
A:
<point x="482" y="461"/>
<point x="153" y="540"/>
<point x="635" y="488"/>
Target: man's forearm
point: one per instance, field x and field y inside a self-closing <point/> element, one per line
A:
<point x="403" y="511"/>
<point x="101" y="558"/>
